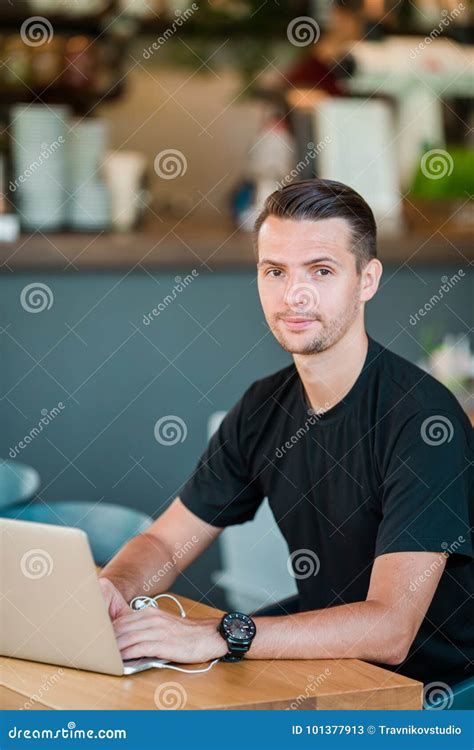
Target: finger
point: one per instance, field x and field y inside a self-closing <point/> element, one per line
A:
<point x="133" y="638"/>
<point x="125" y="624"/>
<point x="156" y="610"/>
<point x="140" y="650"/>
<point x="117" y="607"/>
<point x="149" y="612"/>
<point x="135" y="614"/>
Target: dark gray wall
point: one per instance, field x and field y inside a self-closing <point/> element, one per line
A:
<point x="117" y="376"/>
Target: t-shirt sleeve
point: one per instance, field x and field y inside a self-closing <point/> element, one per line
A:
<point x="221" y="490"/>
<point x="427" y="489"/>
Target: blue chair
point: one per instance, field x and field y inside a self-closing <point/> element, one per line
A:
<point x="18" y="482"/>
<point x="462" y="696"/>
<point x="108" y="526"/>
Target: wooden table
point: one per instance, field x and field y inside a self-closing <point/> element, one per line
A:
<point x="252" y="684"/>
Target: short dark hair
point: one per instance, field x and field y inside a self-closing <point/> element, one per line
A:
<point x="325" y="199"/>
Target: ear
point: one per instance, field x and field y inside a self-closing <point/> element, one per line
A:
<point x="370" y="278"/>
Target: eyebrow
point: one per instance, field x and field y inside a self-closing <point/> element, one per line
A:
<point x="313" y="262"/>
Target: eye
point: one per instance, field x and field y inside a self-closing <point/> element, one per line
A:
<point x="324" y="271"/>
<point x="274" y="272"/>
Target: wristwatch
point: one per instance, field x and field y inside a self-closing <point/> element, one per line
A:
<point x="238" y="630"/>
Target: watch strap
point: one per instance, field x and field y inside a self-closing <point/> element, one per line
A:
<point x="236" y="651"/>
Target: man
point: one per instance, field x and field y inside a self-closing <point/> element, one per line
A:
<point x="365" y="459"/>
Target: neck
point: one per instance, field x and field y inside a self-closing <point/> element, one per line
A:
<point x="329" y="375"/>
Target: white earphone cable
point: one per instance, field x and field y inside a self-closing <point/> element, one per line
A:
<point x="142" y="602"/>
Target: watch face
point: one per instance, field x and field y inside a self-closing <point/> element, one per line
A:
<point x="239" y="626"/>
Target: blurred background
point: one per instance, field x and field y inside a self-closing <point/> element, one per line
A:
<point x="138" y="139"/>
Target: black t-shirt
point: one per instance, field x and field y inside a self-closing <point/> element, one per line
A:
<point x="387" y="469"/>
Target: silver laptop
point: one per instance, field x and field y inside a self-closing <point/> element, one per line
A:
<point x="51" y="604"/>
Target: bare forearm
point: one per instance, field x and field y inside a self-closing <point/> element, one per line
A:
<point x="363" y="630"/>
<point x="142" y="566"/>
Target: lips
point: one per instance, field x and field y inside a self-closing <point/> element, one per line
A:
<point x="297" y="324"/>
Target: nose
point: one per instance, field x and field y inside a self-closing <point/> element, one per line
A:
<point x="301" y="297"/>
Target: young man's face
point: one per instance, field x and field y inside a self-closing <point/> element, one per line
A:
<point x="309" y="287"/>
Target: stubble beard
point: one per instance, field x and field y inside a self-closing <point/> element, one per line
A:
<point x="331" y="332"/>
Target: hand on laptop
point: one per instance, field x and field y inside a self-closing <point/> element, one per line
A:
<point x="157" y="634"/>
<point x="114" y="600"/>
